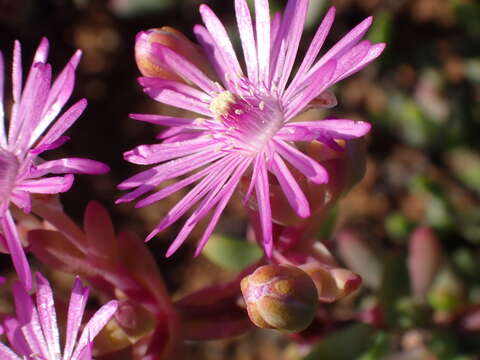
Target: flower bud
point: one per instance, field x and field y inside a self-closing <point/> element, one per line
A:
<point x="281" y="297"/>
<point x="150" y="64"/>
<point x="332" y="283"/>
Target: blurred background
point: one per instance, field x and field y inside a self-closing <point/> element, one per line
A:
<point x="422" y="97"/>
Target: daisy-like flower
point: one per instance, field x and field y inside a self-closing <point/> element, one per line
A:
<point x="246" y="124"/>
<point x="33" y="129"/>
<point x="33" y="334"/>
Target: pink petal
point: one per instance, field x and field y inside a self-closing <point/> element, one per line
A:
<point x="319" y="81"/>
<point x="94" y="325"/>
<point x="16" y="88"/>
<point x="31" y="104"/>
<point x="63" y="123"/>
<point x="306" y="165"/>
<point x="373" y="52"/>
<point x="345" y="44"/>
<point x="47" y="315"/>
<point x="57" y="97"/>
<point x="290" y="33"/>
<point x="7" y="354"/>
<point x="86" y="353"/>
<point x="253" y="178"/>
<point x="14" y="335"/>
<point x="153" y="154"/>
<point x="262" y="28"/>
<point x="49" y="185"/>
<point x="187" y="132"/>
<point x="183" y="67"/>
<point x="15" y="249"/>
<point x="70" y="166"/>
<point x="264" y="210"/>
<point x="245" y="28"/>
<point x="42" y="51"/>
<point x="176" y="94"/>
<point x="213" y="53"/>
<point x="76" y="308"/>
<point x="168" y="190"/>
<point x="28" y="319"/>
<point x="3" y="137"/>
<point x="351" y="58"/>
<point x="75" y="59"/>
<point x="213" y="180"/>
<point x="49" y="146"/>
<point x="314" y="48"/>
<point x="334" y="129"/>
<point x="22" y="200"/>
<point x="213" y="197"/>
<point x="290" y="187"/>
<point x="207" y="203"/>
<point x="170" y="169"/>
<point x="222" y="41"/>
<point x="222" y="198"/>
<point x="275" y="26"/>
<point x="162" y="120"/>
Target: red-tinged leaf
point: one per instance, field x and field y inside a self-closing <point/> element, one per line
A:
<point x="50" y="210"/>
<point x="213" y="312"/>
<point x="359" y="257"/>
<point x="218" y="292"/>
<point x="216" y="321"/>
<point x="142" y="266"/>
<point x="143" y="270"/>
<point x="424" y="260"/>
<point x="53" y="249"/>
<point x="153" y="347"/>
<point x="211" y="295"/>
<point x="100" y="233"/>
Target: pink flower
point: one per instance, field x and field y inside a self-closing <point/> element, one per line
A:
<point x="34" y="334"/>
<point x="32" y="129"/>
<point x="246" y="124"/>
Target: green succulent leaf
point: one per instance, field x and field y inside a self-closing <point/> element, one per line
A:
<point x="231" y="253"/>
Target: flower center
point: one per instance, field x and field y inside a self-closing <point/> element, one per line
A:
<point x="8" y="172"/>
<point x="251" y="121"/>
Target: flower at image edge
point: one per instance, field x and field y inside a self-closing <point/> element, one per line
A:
<point x="35" y="126"/>
<point x="33" y="334"/>
<point x="245" y="125"/>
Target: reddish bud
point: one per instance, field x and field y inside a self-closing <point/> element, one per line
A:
<point x="150" y="64"/>
<point x="332" y="283"/>
<point x="281" y="297"/>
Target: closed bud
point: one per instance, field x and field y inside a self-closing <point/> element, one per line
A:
<point x="332" y="283"/>
<point x="281" y="297"/>
<point x="150" y="63"/>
